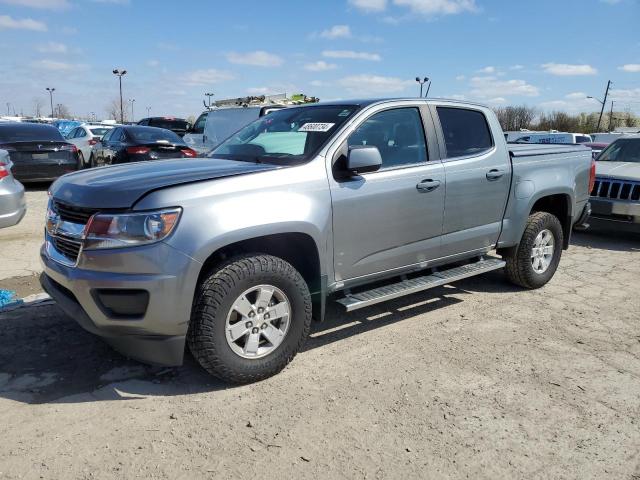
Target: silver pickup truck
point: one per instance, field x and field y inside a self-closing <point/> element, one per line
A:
<point x="354" y="201"/>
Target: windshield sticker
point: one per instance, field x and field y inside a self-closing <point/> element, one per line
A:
<point x="344" y="113"/>
<point x="316" y="127"/>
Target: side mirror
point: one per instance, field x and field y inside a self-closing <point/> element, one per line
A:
<point x="363" y="159"/>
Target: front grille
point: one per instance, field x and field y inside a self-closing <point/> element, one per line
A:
<point x="616" y="189"/>
<point x="66" y="246"/>
<point x="72" y="214"/>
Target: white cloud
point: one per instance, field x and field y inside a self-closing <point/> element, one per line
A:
<point x="153" y="63"/>
<point x="576" y="96"/>
<point x="491" y="87"/>
<point x="57" y="66"/>
<point x="43" y="4"/>
<point x="487" y="70"/>
<point x="169" y="47"/>
<point x="259" y="58"/>
<point x="630" y="67"/>
<point x="337" y="31"/>
<point x="565" y="69"/>
<point x="374" y="84"/>
<point x="460" y="77"/>
<point x="115" y="2"/>
<point x="516" y="67"/>
<point x="438" y="7"/>
<point x="206" y="77"/>
<point x="52" y="47"/>
<point x="7" y="22"/>
<point x="369" y="5"/>
<point x="611" y="2"/>
<point x="630" y="95"/>
<point x="319" y="83"/>
<point x="320" y="66"/>
<point x="374" y="57"/>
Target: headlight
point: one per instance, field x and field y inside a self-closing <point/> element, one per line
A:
<point x="129" y="229"/>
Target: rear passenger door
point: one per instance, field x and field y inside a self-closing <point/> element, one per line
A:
<point x="478" y="171"/>
<point x="391" y="218"/>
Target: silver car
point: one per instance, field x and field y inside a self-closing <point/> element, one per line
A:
<point x="615" y="197"/>
<point x="13" y="205"/>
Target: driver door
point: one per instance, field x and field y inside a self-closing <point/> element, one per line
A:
<point x="391" y="218"/>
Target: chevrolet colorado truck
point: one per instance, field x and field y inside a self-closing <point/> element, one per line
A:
<point x="354" y="201"/>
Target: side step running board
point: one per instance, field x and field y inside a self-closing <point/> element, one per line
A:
<point x="354" y="301"/>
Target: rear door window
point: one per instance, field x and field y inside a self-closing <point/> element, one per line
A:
<point x="465" y="131"/>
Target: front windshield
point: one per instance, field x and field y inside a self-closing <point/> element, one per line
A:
<point x="287" y="136"/>
<point x="622" y="150"/>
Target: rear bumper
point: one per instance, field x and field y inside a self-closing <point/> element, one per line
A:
<point x="13" y="205"/>
<point x="156" y="332"/>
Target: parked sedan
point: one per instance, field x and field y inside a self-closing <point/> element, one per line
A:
<point x="135" y="143"/>
<point x="38" y="152"/>
<point x="84" y="138"/>
<point x="13" y="205"/>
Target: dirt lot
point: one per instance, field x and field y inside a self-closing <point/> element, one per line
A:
<point x="476" y="380"/>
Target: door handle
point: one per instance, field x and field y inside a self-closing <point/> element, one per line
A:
<point x="428" y="185"/>
<point x="494" y="174"/>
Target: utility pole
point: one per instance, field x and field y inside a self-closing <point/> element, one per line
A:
<point x="51" y="90"/>
<point x="148" y="111"/>
<point x="120" y="74"/>
<point x="8" y="107"/>
<point x="604" y="102"/>
<point x="611" y="116"/>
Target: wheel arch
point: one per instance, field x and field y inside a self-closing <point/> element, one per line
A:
<point x="297" y="248"/>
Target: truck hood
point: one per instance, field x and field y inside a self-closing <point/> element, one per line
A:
<point x="619" y="170"/>
<point x="120" y="186"/>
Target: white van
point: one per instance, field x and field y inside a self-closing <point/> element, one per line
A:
<point x="553" y="137"/>
<point x="214" y="126"/>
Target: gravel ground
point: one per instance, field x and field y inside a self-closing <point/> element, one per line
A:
<point x="475" y="380"/>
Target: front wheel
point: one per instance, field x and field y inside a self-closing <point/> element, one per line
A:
<point x="534" y="262"/>
<point x="250" y="318"/>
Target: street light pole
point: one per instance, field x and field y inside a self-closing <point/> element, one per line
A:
<point x="120" y="74"/>
<point x="422" y="82"/>
<point x="209" y="95"/>
<point x="51" y="90"/>
<point x="148" y="111"/>
<point x="132" y="100"/>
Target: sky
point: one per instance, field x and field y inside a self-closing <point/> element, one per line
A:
<point x="550" y="54"/>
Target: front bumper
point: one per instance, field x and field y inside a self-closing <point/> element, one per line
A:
<point x="157" y="334"/>
<point x="13" y="205"/>
<point x="618" y="215"/>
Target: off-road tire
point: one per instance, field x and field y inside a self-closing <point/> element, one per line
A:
<point x="214" y="298"/>
<point x="519" y="268"/>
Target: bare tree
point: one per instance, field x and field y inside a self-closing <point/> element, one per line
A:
<point x="38" y="106"/>
<point x="514" y="118"/>
<point x="62" y="111"/>
<point x="113" y="110"/>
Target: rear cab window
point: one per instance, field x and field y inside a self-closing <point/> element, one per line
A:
<point x="466" y="131"/>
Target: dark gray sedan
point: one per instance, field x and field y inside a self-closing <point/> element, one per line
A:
<point x="38" y="152"/>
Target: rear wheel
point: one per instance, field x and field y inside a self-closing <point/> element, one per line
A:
<point x="534" y="262"/>
<point x="81" y="163"/>
<point x="250" y="318"/>
<point x="92" y="161"/>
